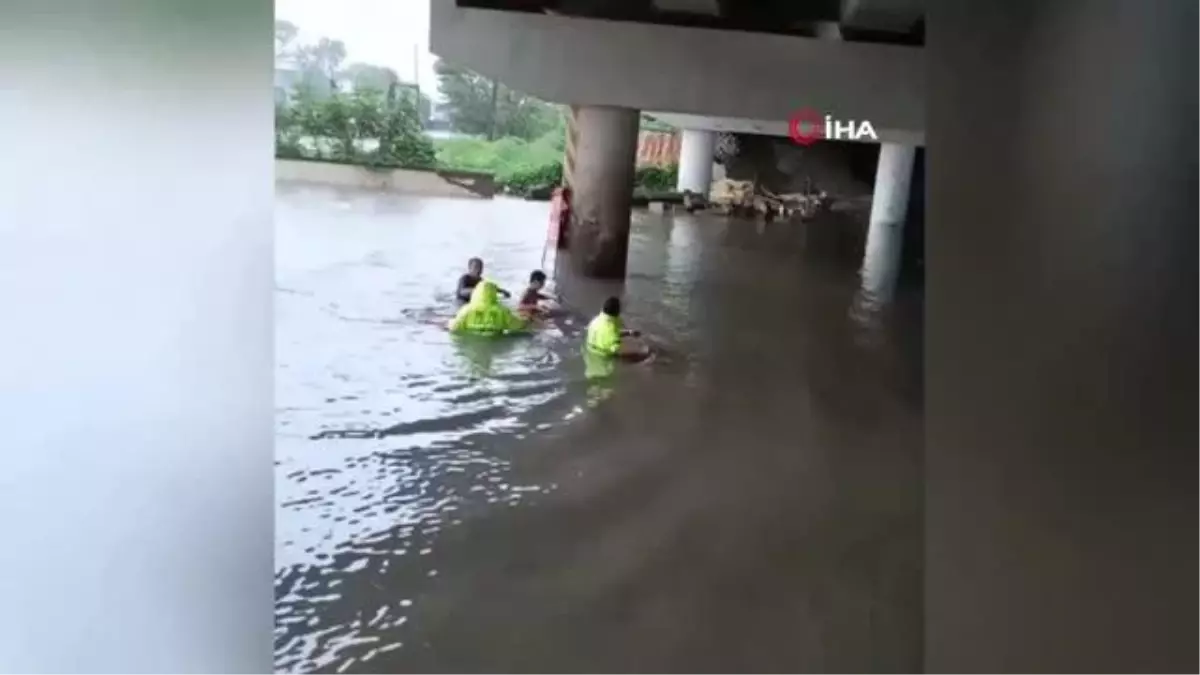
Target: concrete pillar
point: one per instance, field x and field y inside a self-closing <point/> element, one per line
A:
<point x="893" y="179"/>
<point x="696" y="160"/>
<point x="601" y="180"/>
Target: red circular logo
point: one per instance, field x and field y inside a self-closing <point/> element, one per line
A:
<point x="811" y="119"/>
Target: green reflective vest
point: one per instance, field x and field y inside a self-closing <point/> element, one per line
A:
<point x="604" y="335"/>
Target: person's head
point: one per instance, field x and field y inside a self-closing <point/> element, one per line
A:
<point x="475" y="267"/>
<point x="612" y="306"/>
<point x="537" y="279"/>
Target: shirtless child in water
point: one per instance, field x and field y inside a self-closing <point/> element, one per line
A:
<point x="530" y="305"/>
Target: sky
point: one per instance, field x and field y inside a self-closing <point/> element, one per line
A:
<point x="382" y="32"/>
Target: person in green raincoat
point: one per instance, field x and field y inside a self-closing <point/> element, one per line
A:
<point x="484" y="315"/>
<point x="607" y="337"/>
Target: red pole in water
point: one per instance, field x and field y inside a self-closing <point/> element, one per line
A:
<point x="555" y="205"/>
<point x="563" y="215"/>
<point x="560" y="216"/>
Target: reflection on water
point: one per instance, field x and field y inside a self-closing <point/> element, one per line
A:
<point x="748" y="501"/>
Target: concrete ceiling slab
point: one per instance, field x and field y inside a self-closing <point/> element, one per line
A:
<point x="707" y="7"/>
<point x="717" y="73"/>
<point x="882" y="15"/>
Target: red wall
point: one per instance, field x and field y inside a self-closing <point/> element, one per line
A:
<point x="657" y="148"/>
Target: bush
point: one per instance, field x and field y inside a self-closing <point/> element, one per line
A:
<point x="369" y="127"/>
<point x="657" y="178"/>
<point x="524" y="182"/>
<point x="287" y="133"/>
<point x="503" y="157"/>
<point x="519" y="166"/>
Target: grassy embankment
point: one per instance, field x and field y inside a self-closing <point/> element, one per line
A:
<point x="522" y="166"/>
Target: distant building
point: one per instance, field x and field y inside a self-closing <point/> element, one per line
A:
<point x="439" y="118"/>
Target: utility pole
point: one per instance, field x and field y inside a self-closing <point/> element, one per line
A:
<point x="492" y="129"/>
<point x="417" y="82"/>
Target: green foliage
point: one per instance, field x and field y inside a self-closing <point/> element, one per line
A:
<point x="287" y="132"/>
<point x="657" y="178"/>
<point x="379" y="124"/>
<point x="521" y="167"/>
<point x="402" y="140"/>
<point x="424" y="106"/>
<point x="480" y="106"/>
<point x="518" y="165"/>
<point x="649" y="123"/>
<point x="503" y="157"/>
<point x="525" y="181"/>
<point x="368" y="127"/>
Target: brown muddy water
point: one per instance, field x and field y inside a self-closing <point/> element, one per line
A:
<point x="749" y="501"/>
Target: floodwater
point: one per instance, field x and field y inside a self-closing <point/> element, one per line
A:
<point x="748" y="501"/>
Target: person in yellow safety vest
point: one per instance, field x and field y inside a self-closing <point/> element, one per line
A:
<point x="484" y="315"/>
<point x="607" y="337"/>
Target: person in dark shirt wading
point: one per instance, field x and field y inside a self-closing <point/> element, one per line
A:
<point x="468" y="281"/>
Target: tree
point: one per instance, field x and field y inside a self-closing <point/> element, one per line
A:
<point x="478" y="105"/>
<point x="493" y="108"/>
<point x="345" y="126"/>
<point x="467" y="98"/>
<point x="287" y="131"/>
<point x="424" y="105"/>
<point x="370" y="76"/>
<point x="402" y="140"/>
<point x="325" y="57"/>
<point x="525" y="116"/>
<point x="381" y="78"/>
<point x="285" y="35"/>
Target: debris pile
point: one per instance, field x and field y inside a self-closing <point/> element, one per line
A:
<point x="736" y="197"/>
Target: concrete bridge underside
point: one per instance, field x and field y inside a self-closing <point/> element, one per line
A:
<point x="703" y="65"/>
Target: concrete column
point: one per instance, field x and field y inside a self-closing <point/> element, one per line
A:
<point x="696" y="160"/>
<point x="605" y="150"/>
<point x="893" y="179"/>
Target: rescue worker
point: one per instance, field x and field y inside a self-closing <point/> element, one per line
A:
<point x="607" y="337"/>
<point x="484" y="315"/>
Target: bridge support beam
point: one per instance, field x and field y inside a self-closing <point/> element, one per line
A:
<point x="602" y="149"/>
<point x="889" y="205"/>
<point x="696" y="161"/>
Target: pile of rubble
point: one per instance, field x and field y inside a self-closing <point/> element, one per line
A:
<point x="746" y="198"/>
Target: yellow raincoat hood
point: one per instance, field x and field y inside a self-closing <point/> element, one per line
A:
<point x="484" y="294"/>
<point x="484" y="315"/>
